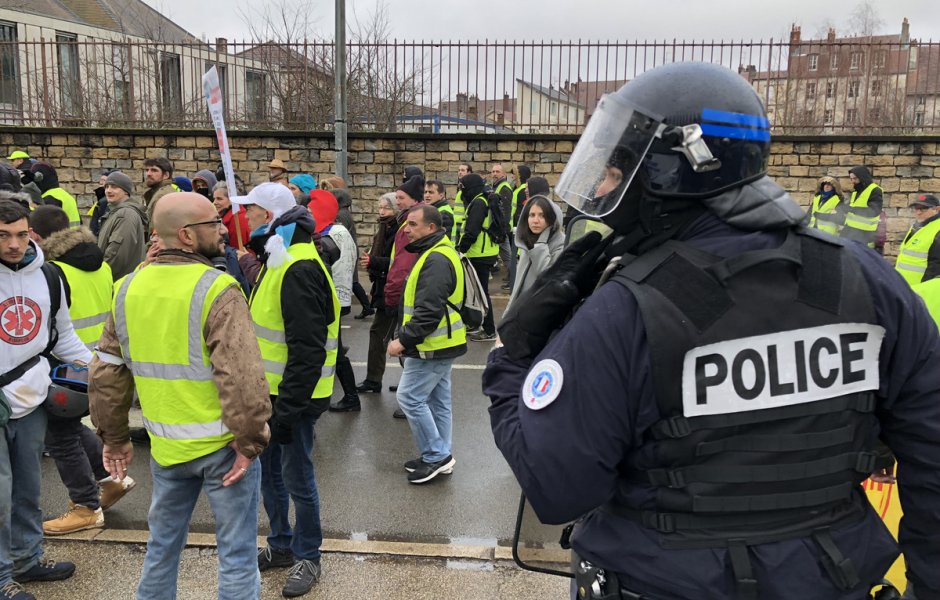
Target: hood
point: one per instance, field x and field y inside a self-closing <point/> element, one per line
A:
<point x="305" y="182"/>
<point x="45" y="176"/>
<point x="864" y="177"/>
<point x="75" y="247"/>
<point x="33" y="260"/>
<point x="271" y="241"/>
<point x="548" y="233"/>
<point x="207" y="176"/>
<point x="128" y="204"/>
<point x="831" y="181"/>
<point x="324" y="207"/>
<point x="419" y="246"/>
<point x="472" y="185"/>
<point x="760" y="205"/>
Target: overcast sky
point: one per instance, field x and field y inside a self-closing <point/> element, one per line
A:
<point x="568" y="19"/>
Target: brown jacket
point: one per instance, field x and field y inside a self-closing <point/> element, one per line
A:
<point x="236" y="366"/>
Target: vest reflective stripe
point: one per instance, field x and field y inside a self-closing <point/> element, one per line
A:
<point x="483" y="246"/>
<point x="68" y="205"/>
<point x="861" y="201"/>
<point x="911" y="263"/>
<point x="450" y="332"/>
<point x="268" y="320"/>
<point x="460" y="212"/>
<point x="90" y="300"/>
<point x="515" y="199"/>
<point x="159" y="316"/>
<point x="826" y="208"/>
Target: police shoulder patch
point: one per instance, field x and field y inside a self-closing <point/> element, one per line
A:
<point x="543" y="384"/>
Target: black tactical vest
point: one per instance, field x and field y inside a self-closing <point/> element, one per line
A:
<point x="765" y="369"/>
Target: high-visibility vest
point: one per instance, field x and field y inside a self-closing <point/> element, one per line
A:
<point x="515" y="200"/>
<point x="867" y="224"/>
<point x="159" y="315"/>
<point x="483" y="246"/>
<point x="450" y="331"/>
<point x="912" y="256"/>
<point x="449" y="209"/>
<point x="460" y="212"/>
<point x="68" y="205"/>
<point x="268" y="319"/>
<point x="827" y="207"/>
<point x="90" y="305"/>
<point x="930" y="291"/>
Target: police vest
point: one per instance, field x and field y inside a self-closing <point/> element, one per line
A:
<point x="823" y="215"/>
<point x="268" y="319"/>
<point x="912" y="256"/>
<point x="459" y="215"/>
<point x="515" y="201"/>
<point x="765" y="368"/>
<point x="68" y="205"/>
<point x="869" y="225"/>
<point x="483" y="246"/>
<point x="159" y="316"/>
<point x="450" y="332"/>
<point x="90" y="305"/>
<point x="930" y="291"/>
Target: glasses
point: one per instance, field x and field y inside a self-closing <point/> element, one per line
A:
<point x="216" y="222"/>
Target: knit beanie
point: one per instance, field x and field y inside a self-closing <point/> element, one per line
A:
<point x="122" y="181"/>
<point x="414" y="187"/>
<point x="323" y="207"/>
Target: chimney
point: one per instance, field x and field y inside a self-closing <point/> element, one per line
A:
<point x="795" y="40"/>
<point x="500" y="118"/>
<point x="221" y="45"/>
<point x="831" y="35"/>
<point x="505" y="103"/>
<point x="462" y="103"/>
<point x="905" y="32"/>
<point x="472" y="112"/>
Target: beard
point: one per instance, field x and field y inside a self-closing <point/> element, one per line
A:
<point x="210" y="250"/>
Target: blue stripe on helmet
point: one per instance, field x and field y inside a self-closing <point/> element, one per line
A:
<point x="738" y="133"/>
<point x="720" y="116"/>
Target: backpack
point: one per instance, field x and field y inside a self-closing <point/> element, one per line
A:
<point x="499" y="225"/>
<point x="475" y="305"/>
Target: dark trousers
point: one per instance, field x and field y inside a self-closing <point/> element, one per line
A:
<point x="360" y="293"/>
<point x="344" y="370"/>
<point x="76" y="451"/>
<point x="380" y="333"/>
<point x="482" y="266"/>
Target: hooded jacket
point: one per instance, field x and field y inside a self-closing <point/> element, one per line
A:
<point x="874" y="208"/>
<point x="207" y="176"/>
<point x="76" y="248"/>
<point x="379" y="258"/>
<point x="532" y="262"/>
<point x="24" y="331"/>
<point x="123" y="236"/>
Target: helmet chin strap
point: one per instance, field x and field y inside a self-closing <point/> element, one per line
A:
<point x="643" y="221"/>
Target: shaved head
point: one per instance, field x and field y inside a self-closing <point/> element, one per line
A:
<point x="183" y="220"/>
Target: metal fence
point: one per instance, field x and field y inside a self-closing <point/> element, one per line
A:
<point x="851" y="86"/>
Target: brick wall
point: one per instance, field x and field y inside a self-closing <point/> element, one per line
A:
<point x="904" y="167"/>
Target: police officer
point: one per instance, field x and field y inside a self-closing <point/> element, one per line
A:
<point x="708" y="413"/>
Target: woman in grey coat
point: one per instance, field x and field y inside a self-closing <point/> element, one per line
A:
<point x="540" y="238"/>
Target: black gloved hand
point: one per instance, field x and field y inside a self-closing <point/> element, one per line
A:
<point x="544" y="307"/>
<point x="279" y="433"/>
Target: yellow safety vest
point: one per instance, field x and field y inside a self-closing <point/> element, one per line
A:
<point x="824" y="208"/>
<point x="515" y="200"/>
<point x="483" y="246"/>
<point x="912" y="256"/>
<point x="460" y="212"/>
<point x="867" y="224"/>
<point x="90" y="305"/>
<point x="449" y="209"/>
<point x="450" y="331"/>
<point x="68" y="205"/>
<point x="930" y="291"/>
<point x="159" y="315"/>
<point x="266" y="313"/>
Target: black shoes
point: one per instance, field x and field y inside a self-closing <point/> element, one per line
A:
<point x="272" y="558"/>
<point x="301" y="578"/>
<point x="47" y="570"/>
<point x="425" y="472"/>
<point x="139" y="436"/>
<point x="366" y="312"/>
<point x="369" y="387"/>
<point x="347" y="404"/>
<point x="399" y="414"/>
<point x="413" y="464"/>
<point x="481" y="336"/>
<point x="393" y="388"/>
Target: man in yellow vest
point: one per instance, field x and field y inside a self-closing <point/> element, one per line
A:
<point x="864" y="211"/>
<point x="296" y="320"/>
<point x="827" y="212"/>
<point x="435" y="196"/>
<point x="919" y="255"/>
<point x="74" y="447"/>
<point x="180" y="332"/>
<point x="478" y="245"/>
<point x="47" y="180"/>
<point x="431" y="336"/>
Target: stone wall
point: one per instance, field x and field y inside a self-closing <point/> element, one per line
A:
<point x="904" y="167"/>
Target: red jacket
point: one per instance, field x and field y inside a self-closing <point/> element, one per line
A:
<point x="228" y="219"/>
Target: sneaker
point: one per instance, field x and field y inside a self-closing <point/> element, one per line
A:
<point x="369" y="387"/>
<point x="366" y="312"/>
<point x="411" y="465"/>
<point x="112" y="491"/>
<point x="76" y="518"/>
<point x="272" y="558"/>
<point x="399" y="414"/>
<point x="47" y="570"/>
<point x="347" y="404"/>
<point x="393" y="388"/>
<point x="301" y="578"/>
<point x="14" y="591"/>
<point x="425" y="472"/>
<point x="482" y="337"/>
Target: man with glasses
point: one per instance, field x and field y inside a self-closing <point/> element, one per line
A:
<point x="918" y="256"/>
<point x="180" y="332"/>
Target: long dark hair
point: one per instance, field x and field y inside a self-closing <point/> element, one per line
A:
<point x="550" y="218"/>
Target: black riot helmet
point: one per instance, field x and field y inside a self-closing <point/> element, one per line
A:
<point x="683" y="131"/>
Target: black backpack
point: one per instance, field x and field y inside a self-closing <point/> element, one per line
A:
<point x="499" y="225"/>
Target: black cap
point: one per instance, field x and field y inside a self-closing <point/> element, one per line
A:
<point x="926" y="201"/>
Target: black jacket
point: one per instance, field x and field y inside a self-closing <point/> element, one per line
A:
<point x="477" y="211"/>
<point x="436" y="281"/>
<point x="446" y="215"/>
<point x="380" y="258"/>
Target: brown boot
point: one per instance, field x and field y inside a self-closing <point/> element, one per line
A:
<point x="112" y="491"/>
<point x="78" y="518"/>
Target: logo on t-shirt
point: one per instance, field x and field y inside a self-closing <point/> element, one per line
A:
<point x="20" y="319"/>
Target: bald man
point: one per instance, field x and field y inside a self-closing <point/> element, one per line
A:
<point x="180" y="331"/>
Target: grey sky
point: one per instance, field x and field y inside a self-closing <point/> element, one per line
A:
<point x="570" y="19"/>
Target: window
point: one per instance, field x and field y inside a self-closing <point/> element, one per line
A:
<point x="9" y="67"/>
<point x="919" y="119"/>
<point x="171" y="89"/>
<point x="834" y="60"/>
<point x="121" y="67"/>
<point x="554" y="109"/>
<point x="564" y="112"/>
<point x="70" y="97"/>
<point x="876" y="88"/>
<point x="813" y="62"/>
<point x="853" y="89"/>
<point x="830" y="89"/>
<point x="874" y="115"/>
<point x="828" y="116"/>
<point x="851" y="116"/>
<point x="881" y="57"/>
<point x="255" y="95"/>
<point x="811" y="90"/>
<point x="856" y="61"/>
<point x="921" y="100"/>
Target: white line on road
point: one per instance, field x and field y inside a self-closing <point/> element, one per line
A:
<point x="395" y="365"/>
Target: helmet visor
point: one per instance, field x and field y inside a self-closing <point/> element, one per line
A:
<point x="607" y="157"/>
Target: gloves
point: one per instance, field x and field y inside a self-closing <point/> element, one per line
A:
<point x="544" y="307"/>
<point x="280" y="434"/>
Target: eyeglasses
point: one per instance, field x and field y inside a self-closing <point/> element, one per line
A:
<point x="216" y="222"/>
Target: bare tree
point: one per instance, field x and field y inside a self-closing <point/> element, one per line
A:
<point x="864" y="20"/>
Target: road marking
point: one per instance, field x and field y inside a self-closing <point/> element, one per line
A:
<point x="395" y="365"/>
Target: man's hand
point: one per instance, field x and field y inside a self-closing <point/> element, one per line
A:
<point x="239" y="470"/>
<point x="395" y="348"/>
<point x="116" y="459"/>
<point x="364" y="261"/>
<point x="885" y="475"/>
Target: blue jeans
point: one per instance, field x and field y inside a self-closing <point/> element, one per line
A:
<point x="287" y="474"/>
<point x="424" y="397"/>
<point x="235" y="508"/>
<point x="21" y="444"/>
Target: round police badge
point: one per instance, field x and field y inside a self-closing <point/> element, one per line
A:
<point x="543" y="384"/>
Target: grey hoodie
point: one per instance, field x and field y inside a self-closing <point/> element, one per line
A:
<point x="531" y="263"/>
